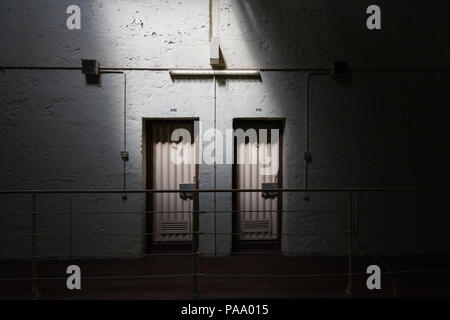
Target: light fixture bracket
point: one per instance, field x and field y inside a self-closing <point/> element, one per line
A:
<point x="340" y="68"/>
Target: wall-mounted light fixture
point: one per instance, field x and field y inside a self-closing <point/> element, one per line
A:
<point x="340" y="68"/>
<point x="212" y="73"/>
<point x="90" y="67"/>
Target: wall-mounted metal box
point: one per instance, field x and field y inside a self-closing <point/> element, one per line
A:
<point x="269" y="186"/>
<point x="89" y="66"/>
<point x="307" y="156"/>
<point x="340" y="68"/>
<point x="188" y="194"/>
<point x="124" y="155"/>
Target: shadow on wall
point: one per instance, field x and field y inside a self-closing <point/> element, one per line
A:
<point x="378" y="118"/>
<point x="385" y="128"/>
<point x="312" y="34"/>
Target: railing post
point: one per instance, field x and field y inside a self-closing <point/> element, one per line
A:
<point x="71" y="228"/>
<point x="349" y="288"/>
<point x="34" y="285"/>
<point x="194" y="247"/>
<point x="356" y="216"/>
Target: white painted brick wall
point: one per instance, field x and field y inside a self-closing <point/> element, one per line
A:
<point x="57" y="132"/>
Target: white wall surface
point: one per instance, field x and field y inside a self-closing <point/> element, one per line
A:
<point x="379" y="129"/>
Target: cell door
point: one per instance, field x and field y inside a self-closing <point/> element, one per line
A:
<point x="172" y="155"/>
<point x="257" y="166"/>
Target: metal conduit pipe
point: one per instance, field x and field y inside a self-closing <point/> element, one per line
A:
<point x="124" y="159"/>
<point x="307" y="155"/>
<point x="159" y="69"/>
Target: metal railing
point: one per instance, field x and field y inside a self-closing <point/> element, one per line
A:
<point x="352" y="233"/>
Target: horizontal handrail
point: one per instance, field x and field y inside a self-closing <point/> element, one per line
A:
<point x="80" y="191"/>
<point x="245" y="275"/>
<point x="351" y="233"/>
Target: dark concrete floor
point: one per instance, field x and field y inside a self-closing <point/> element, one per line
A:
<point x="227" y="277"/>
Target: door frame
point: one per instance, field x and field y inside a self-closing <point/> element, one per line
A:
<point x="257" y="245"/>
<point x="149" y="244"/>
